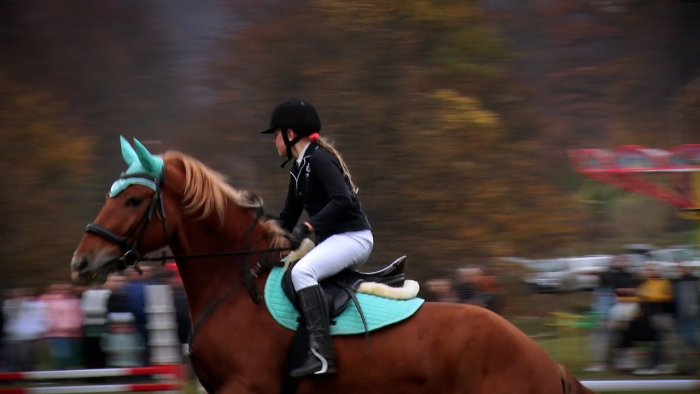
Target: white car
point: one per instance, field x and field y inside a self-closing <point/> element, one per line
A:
<point x="587" y="269"/>
<point x="568" y="274"/>
<point x="551" y="276"/>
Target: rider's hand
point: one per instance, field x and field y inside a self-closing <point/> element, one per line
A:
<point x="300" y="232"/>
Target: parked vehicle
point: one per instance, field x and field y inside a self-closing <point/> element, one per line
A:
<point x="583" y="272"/>
<point x="587" y="269"/>
<point x="552" y="275"/>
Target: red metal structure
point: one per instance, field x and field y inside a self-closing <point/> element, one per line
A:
<point x="627" y="167"/>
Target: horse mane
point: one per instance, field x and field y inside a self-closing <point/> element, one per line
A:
<point x="207" y="191"/>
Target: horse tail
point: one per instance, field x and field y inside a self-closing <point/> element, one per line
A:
<point x="571" y="385"/>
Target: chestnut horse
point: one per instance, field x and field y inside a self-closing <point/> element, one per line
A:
<point x="222" y="246"/>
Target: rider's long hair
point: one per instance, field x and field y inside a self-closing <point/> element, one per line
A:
<point x="346" y="172"/>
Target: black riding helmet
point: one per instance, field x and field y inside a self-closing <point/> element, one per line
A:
<point x="298" y="115"/>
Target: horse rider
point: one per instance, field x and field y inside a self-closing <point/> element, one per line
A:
<point x="321" y="184"/>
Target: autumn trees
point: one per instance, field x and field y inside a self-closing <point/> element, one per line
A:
<point x="414" y="93"/>
<point x="453" y="117"/>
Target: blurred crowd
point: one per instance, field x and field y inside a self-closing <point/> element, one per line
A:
<point x="646" y="310"/>
<point x="64" y="326"/>
<point x="646" y="318"/>
<point x="469" y="285"/>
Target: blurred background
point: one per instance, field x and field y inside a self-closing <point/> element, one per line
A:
<point x="455" y="118"/>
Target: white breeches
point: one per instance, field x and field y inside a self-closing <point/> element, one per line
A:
<point x="338" y="252"/>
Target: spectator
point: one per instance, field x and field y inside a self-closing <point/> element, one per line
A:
<point x="4" y="354"/>
<point x="26" y="326"/>
<point x="440" y="290"/>
<point x="655" y="294"/>
<point x="465" y="285"/>
<point x="135" y="293"/>
<point x="182" y="315"/>
<point x="10" y="311"/>
<point x="182" y="309"/>
<point x="489" y="291"/>
<point x="123" y="345"/>
<point x="603" y="300"/>
<point x="623" y="311"/>
<point x="94" y="307"/>
<point x="686" y="293"/>
<point x="65" y="319"/>
<point x="117" y="301"/>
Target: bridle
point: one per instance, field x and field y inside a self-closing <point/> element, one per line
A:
<point x="131" y="257"/>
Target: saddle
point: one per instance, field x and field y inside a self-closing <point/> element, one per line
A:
<point x="341" y="288"/>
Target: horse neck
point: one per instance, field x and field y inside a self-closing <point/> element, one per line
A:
<point x="206" y="279"/>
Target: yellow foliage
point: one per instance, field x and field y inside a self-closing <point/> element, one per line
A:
<point x="401" y="82"/>
<point x="44" y="161"/>
<point x="462" y="111"/>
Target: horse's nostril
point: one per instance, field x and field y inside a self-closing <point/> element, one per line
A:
<point x="81" y="264"/>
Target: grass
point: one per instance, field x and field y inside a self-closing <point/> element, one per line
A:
<point x="570" y="346"/>
<point x="571" y="349"/>
<point x="531" y="313"/>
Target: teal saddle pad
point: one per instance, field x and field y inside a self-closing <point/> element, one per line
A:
<point x="379" y="311"/>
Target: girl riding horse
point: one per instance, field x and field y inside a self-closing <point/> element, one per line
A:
<point x="320" y="183"/>
<point x="223" y="251"/>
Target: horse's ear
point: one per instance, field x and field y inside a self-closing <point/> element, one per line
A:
<point x="128" y="152"/>
<point x="150" y="163"/>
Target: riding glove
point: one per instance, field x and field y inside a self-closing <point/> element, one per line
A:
<point x="300" y="232"/>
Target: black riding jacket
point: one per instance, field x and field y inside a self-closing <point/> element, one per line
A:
<point x="318" y="185"/>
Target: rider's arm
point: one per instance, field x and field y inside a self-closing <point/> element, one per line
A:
<point x="292" y="208"/>
<point x="331" y="177"/>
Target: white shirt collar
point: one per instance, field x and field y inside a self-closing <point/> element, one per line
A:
<point x="301" y="154"/>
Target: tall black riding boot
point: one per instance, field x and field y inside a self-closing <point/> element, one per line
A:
<point x="321" y="357"/>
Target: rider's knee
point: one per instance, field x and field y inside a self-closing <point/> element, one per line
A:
<point x="302" y="278"/>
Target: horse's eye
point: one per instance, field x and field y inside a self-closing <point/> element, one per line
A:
<point x="134" y="202"/>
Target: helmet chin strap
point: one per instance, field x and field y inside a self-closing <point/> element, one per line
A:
<point x="289" y="144"/>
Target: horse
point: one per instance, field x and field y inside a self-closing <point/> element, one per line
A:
<point x="222" y="245"/>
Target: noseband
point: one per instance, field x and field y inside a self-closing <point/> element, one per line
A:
<point x="131" y="256"/>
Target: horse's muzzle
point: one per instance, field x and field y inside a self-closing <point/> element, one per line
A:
<point x="93" y="270"/>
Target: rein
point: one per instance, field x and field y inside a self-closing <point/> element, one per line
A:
<point x="247" y="278"/>
<point x="205" y="255"/>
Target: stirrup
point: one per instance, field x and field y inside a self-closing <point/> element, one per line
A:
<point x="324" y="362"/>
<point x="314" y="358"/>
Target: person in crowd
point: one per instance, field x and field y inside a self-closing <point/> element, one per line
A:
<point x="121" y="342"/>
<point x="94" y="307"/>
<point x="603" y="300"/>
<point x="26" y="326"/>
<point x="655" y="294"/>
<point x="619" y="350"/>
<point x="687" y="308"/>
<point x="65" y="321"/>
<point x="135" y="297"/>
